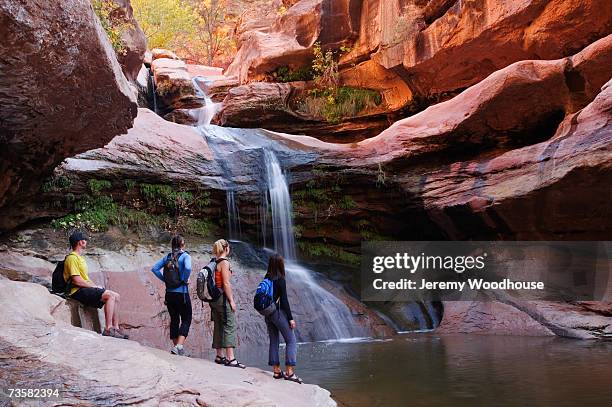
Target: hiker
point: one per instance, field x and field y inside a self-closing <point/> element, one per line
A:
<point x="223" y="310"/>
<point x="176" y="271"/>
<point x="281" y="320"/>
<point x="82" y="289"/>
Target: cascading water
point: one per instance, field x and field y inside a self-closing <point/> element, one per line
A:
<point x="206" y="113"/>
<point x="320" y="314"/>
<point x="153" y="91"/>
<point x="333" y="318"/>
<point x="233" y="217"/>
<point x="280" y="203"/>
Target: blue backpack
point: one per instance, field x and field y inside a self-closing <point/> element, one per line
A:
<point x="264" y="298"/>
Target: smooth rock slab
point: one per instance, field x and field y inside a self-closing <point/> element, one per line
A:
<point x="36" y="347"/>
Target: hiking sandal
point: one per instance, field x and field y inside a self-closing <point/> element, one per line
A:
<point x="120" y="334"/>
<point x="113" y="333"/>
<point x="220" y="360"/>
<point x="234" y="363"/>
<point x="279" y="375"/>
<point x="294" y="378"/>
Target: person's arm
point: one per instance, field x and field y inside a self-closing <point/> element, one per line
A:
<point x="284" y="301"/>
<point x="157" y="267"/>
<point x="227" y="286"/>
<point x="186" y="267"/>
<point x="78" y="281"/>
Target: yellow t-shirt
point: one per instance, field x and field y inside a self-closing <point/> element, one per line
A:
<point x="75" y="265"/>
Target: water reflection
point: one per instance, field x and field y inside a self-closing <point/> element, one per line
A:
<point x="462" y="370"/>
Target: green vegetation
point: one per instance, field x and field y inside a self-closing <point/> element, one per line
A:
<point x="335" y="104"/>
<point x="55" y="184"/>
<point x="323" y="196"/>
<point x="169" y="198"/>
<point x="97" y="186"/>
<point x="330" y="251"/>
<point x="113" y="26"/>
<point x="199" y="227"/>
<point x="381" y="177"/>
<point x="286" y="74"/>
<point x="324" y="67"/>
<point x="157" y="205"/>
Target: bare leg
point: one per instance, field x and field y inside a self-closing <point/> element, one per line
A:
<point x="116" y="312"/>
<point x="277" y="368"/>
<point x="109" y="308"/>
<point x="289" y="370"/>
<point x="230" y="353"/>
<point x="180" y="340"/>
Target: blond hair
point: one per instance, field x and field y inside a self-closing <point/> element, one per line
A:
<point x="219" y="247"/>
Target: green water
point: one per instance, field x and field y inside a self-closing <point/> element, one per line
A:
<point x="462" y="370"/>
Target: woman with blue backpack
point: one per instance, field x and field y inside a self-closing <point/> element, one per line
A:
<point x="271" y="301"/>
<point x="176" y="267"/>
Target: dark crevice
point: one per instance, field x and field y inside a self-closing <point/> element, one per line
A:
<point x="468" y="145"/>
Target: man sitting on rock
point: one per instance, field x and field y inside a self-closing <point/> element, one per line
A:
<point x="82" y="289"/>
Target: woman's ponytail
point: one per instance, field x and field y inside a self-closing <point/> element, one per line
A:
<point x="219" y="247"/>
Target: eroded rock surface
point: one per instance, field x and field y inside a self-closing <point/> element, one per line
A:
<point x="120" y="371"/>
<point x="62" y="92"/>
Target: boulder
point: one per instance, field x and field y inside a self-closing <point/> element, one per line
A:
<point x="289" y="41"/>
<point x="152" y="149"/>
<point x="277" y="105"/>
<point x="488" y="318"/>
<point x="173" y="85"/>
<point x="121" y="371"/>
<point x="62" y="92"/>
<point x="157" y="53"/>
<point x="134" y="40"/>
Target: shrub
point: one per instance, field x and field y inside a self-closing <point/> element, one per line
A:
<point x="286" y="74"/>
<point x="333" y="105"/>
<point x="54" y="184"/>
<point x="327" y="250"/>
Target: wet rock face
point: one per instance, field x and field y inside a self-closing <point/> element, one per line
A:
<point x="62" y="92"/>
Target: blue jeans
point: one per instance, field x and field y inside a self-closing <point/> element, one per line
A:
<point x="277" y="322"/>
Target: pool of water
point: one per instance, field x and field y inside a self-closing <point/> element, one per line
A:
<point x="460" y="370"/>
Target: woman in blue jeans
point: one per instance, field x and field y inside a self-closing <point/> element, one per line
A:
<point x="281" y="321"/>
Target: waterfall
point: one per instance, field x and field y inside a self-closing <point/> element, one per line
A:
<point x="233" y="217"/>
<point x="280" y="203"/>
<point x="206" y="113"/>
<point x="153" y="91"/>
<point x="250" y="153"/>
<point x="333" y="320"/>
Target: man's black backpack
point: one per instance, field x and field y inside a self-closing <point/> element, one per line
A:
<point x="58" y="284"/>
<point x="172" y="273"/>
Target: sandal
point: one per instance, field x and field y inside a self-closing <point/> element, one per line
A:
<point x="220" y="360"/>
<point x="294" y="378"/>
<point x="279" y="375"/>
<point x="234" y="363"/>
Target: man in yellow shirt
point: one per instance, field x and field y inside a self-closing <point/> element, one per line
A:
<point x="82" y="289"/>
